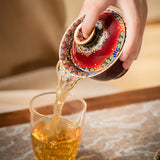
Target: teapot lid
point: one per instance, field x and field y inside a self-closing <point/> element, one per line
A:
<point x="88" y="58"/>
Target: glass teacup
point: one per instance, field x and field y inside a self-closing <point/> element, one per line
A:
<point x="52" y="137"/>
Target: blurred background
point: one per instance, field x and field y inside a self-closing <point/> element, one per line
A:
<point x="30" y="33"/>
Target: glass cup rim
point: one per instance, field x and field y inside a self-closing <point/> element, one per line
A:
<point x="31" y="107"/>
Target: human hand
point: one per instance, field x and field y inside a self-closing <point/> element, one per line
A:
<point x="135" y="14"/>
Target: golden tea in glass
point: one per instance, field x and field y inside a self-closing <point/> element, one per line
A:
<point x="56" y="138"/>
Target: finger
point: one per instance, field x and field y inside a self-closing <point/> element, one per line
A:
<point x="85" y="5"/>
<point x="138" y="47"/>
<point x="126" y="64"/>
<point x="133" y="30"/>
<point x="143" y="18"/>
<point x="133" y="55"/>
<point x="94" y="9"/>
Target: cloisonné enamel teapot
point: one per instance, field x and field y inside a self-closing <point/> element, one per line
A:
<point x="97" y="56"/>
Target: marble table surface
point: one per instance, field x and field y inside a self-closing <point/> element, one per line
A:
<point x="129" y="132"/>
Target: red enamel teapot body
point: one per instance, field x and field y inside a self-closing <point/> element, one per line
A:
<point x="98" y="56"/>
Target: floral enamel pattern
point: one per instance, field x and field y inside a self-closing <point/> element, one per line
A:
<point x="66" y="43"/>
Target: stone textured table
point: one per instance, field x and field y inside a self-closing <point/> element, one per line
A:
<point x="130" y="132"/>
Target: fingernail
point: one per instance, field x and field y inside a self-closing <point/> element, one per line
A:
<point x="127" y="64"/>
<point x="85" y="35"/>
